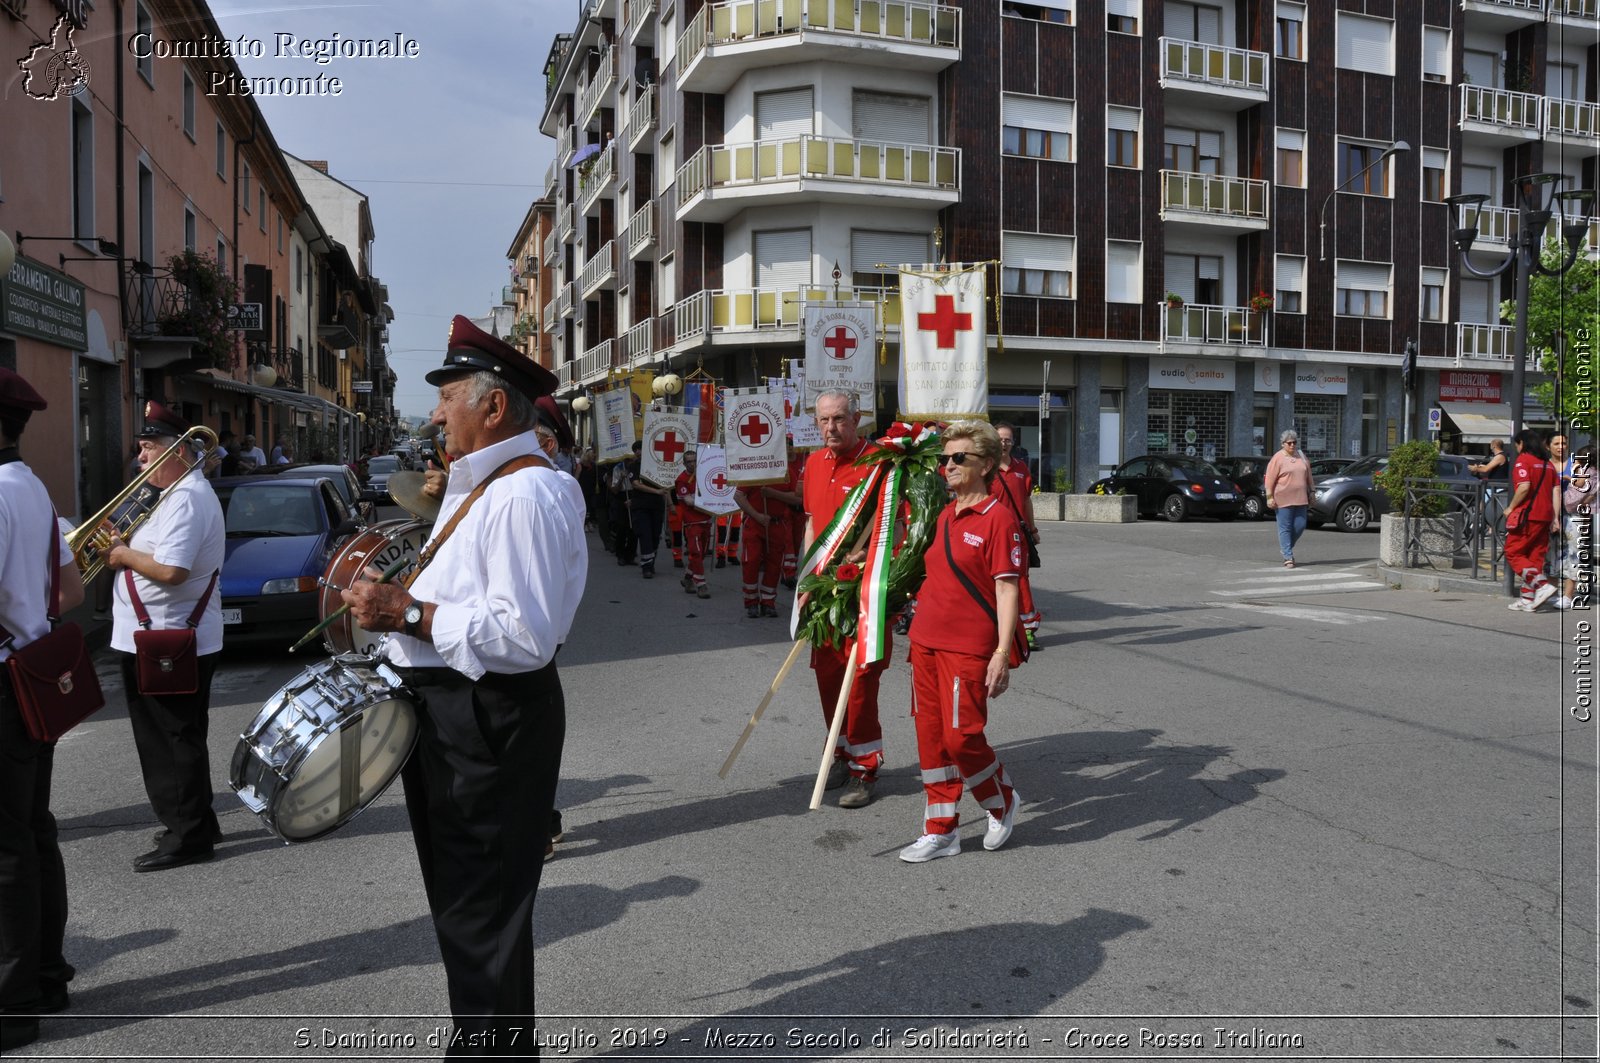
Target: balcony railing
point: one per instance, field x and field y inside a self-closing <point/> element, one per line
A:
<point x="1572" y="118"/>
<point x="564" y="374"/>
<point x="1214" y="195"/>
<point x="552" y="314"/>
<point x="642" y="115"/>
<point x="715" y="311"/>
<point x="1580" y="9"/>
<point x="552" y="248"/>
<point x="1500" y="225"/>
<point x="595" y="175"/>
<point x="566" y="221"/>
<point x="600" y="270"/>
<point x="566" y="143"/>
<point x="642" y="229"/>
<point x="1475" y="342"/>
<point x="638" y="15"/>
<point x="592" y="95"/>
<point x="897" y="21"/>
<point x="1520" y="111"/>
<point x="639" y="344"/>
<point x="814" y="158"/>
<point x="596" y="361"/>
<point x="1198" y="323"/>
<point x="1529" y="8"/>
<point x="568" y="301"/>
<point x="1214" y="65"/>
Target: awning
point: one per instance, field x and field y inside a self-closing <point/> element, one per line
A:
<point x="295" y="399"/>
<point x="1479" y="422"/>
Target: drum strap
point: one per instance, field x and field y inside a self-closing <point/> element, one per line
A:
<point x="522" y="461"/>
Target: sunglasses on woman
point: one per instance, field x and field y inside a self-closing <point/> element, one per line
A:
<point x="957" y="459"/>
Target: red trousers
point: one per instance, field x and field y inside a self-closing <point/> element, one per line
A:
<point x="1027" y="612"/>
<point x="797" y="536"/>
<point x="1526" y="548"/>
<point x="861" y="739"/>
<point x="697" y="540"/>
<point x="950" y="706"/>
<point x="761" y="553"/>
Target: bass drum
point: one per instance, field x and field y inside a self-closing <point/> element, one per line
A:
<point x="381" y="546"/>
<point x="325" y="746"/>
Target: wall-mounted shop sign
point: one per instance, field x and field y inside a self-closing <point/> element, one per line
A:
<point x="38" y="301"/>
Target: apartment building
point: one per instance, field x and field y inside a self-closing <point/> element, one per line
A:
<point x="1212" y="220"/>
<point x="531" y="286"/>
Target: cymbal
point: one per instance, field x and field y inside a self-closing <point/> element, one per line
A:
<point x="406" y="490"/>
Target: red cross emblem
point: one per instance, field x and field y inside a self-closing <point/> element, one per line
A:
<point x="667" y="446"/>
<point x="944" y="322"/>
<point x="755" y="429"/>
<point x="840" y="342"/>
<point x="719" y="482"/>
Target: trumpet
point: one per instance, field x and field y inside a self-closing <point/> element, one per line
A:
<point x="90" y="541"/>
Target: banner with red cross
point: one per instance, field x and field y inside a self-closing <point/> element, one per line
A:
<point x="839" y="354"/>
<point x="753" y="433"/>
<point x="803" y="433"/>
<point x="944" y="344"/>
<point x="669" y="432"/>
<point x="713" y="491"/>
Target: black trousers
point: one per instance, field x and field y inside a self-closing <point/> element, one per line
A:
<point x="480" y="790"/>
<point x="169" y="732"/>
<point x="33" y="880"/>
<point x="647" y="523"/>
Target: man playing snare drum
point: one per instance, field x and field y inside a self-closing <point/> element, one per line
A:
<point x="477" y="633"/>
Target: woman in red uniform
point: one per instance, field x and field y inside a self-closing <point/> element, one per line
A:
<point x="1535" y="501"/>
<point x="960" y="642"/>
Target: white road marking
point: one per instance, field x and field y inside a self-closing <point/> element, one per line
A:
<point x="1339" y="617"/>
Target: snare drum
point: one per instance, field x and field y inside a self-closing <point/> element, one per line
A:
<point x="381" y="545"/>
<point x="325" y="746"/>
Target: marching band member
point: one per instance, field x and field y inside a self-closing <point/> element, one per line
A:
<point x="477" y="633"/>
<point x="33" y="881"/>
<point x="830" y="473"/>
<point x="171" y="564"/>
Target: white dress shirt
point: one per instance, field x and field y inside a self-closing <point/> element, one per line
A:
<point x="25" y="530"/>
<point x="507" y="583"/>
<point x="185" y="531"/>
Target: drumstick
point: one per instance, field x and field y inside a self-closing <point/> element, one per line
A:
<point x="392" y="571"/>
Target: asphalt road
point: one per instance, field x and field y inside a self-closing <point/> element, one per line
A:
<point x="1267" y="813"/>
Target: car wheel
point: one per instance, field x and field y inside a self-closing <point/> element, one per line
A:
<point x="1255" y="507"/>
<point x="1353" y="516"/>
<point x="1175" y="508"/>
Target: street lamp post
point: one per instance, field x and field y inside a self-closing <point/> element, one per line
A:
<point x="1536" y="194"/>
<point x="1322" y="228"/>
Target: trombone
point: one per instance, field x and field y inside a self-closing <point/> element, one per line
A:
<point x="132" y="506"/>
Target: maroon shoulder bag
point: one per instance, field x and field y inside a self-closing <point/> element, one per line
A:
<point x="168" y="661"/>
<point x="54" y="680"/>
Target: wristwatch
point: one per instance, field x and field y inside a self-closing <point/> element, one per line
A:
<point x="413" y="619"/>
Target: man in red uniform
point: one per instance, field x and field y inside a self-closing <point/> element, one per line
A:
<point x="764" y="542"/>
<point x="697" y="528"/>
<point x="829" y="475"/>
<point x="1013" y="485"/>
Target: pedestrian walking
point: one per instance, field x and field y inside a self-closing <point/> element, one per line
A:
<point x="697" y="525"/>
<point x="1535" y="501"/>
<point x="961" y="640"/>
<point x="1288" y="485"/>
<point x="475" y="636"/>
<point x="34" y="971"/>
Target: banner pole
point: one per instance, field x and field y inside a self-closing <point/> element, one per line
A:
<point x="755" y="717"/>
<point x="835" y="728"/>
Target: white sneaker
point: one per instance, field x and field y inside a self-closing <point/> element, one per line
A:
<point x="1000" y="826"/>
<point x="1520" y="605"/>
<point x="1544" y="594"/>
<point x="1562" y="602"/>
<point x="931" y="847"/>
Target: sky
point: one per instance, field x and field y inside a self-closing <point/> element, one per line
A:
<point x="445" y="145"/>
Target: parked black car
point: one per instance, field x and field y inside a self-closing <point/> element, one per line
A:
<point x="1175" y="487"/>
<point x="1247" y="470"/>
<point x="1349" y="500"/>
<point x="1330" y="466"/>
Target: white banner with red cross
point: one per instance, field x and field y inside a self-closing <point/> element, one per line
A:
<point x="839" y="343"/>
<point x="668" y="435"/>
<point x="713" y="491"/>
<point x="753" y="427"/>
<point x="615" y="419"/>
<point x="944" y="365"/>
<point x="803" y="432"/>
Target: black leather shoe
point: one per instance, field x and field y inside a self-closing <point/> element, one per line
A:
<point x="54" y="1000"/>
<point x="160" y="861"/>
<point x="161" y="836"/>
<point x="16" y="1032"/>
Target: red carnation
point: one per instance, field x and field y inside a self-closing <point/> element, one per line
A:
<point x="847" y="573"/>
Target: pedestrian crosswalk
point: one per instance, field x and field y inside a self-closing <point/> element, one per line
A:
<point x="1271" y="582"/>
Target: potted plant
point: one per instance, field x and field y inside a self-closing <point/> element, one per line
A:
<point x="1261" y="302"/>
<point x="1415" y="464"/>
<point x="199" y="308"/>
<point x="1101" y="505"/>
<point x="1174" y="301"/>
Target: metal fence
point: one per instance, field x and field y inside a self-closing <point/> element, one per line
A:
<point x="1467" y="537"/>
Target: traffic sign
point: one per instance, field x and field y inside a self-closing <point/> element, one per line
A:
<point x="1435" y="419"/>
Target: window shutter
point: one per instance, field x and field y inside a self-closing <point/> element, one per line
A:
<point x="1210" y="145"/>
<point x="1366" y="276"/>
<point x="1038" y="112"/>
<point x="1122" y="118"/>
<point x="783" y="114"/>
<point x="1436" y="52"/>
<point x="894" y="119"/>
<point x="1291" y="273"/>
<point x="1210" y="28"/>
<point x="1128" y="8"/>
<point x="1036" y="251"/>
<point x="783" y="258"/>
<point x="1180" y="276"/>
<point x="869" y="250"/>
<point x="1291" y="140"/>
<point x="1122" y="271"/>
<point x="1366" y="44"/>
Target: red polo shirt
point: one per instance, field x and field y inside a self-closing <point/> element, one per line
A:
<point x="758" y="500"/>
<point x="828" y="478"/>
<point x="683" y="492"/>
<point x="985" y="542"/>
<point x="1017" y="482"/>
<point x="1541" y="477"/>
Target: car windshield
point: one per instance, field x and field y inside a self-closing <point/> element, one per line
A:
<point x="1190" y="468"/>
<point x="1365" y="467"/>
<point x="384" y="464"/>
<point x="270" y="509"/>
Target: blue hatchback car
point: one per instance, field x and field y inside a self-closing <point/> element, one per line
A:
<point x="282" y="532"/>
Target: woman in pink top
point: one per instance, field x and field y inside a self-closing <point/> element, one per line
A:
<point x="1287" y="483"/>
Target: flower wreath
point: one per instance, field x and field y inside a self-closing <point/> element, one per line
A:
<point x="845" y="598"/>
